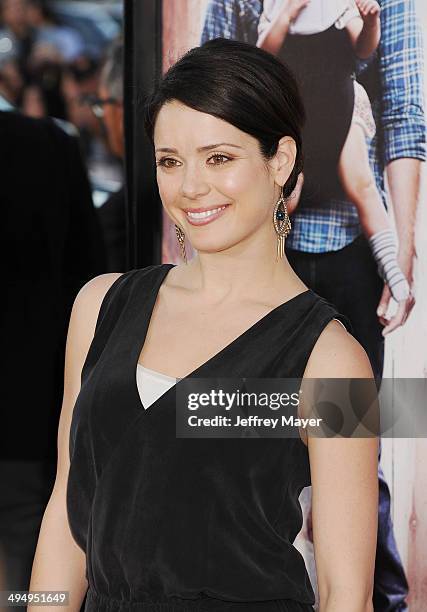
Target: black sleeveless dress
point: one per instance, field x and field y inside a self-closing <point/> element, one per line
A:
<point x="174" y="524"/>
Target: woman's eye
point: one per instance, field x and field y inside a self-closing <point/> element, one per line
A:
<point x="220" y="159"/>
<point x="169" y="162"/>
<point x="165" y="162"/>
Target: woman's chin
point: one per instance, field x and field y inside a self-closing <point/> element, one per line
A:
<point x="209" y="246"/>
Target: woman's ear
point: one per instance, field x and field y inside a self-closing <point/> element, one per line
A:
<point x="284" y="159"/>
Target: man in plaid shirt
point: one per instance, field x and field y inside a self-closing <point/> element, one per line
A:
<point x="326" y="246"/>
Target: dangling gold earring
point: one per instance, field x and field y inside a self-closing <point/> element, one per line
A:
<point x="282" y="224"/>
<point x="181" y="239"/>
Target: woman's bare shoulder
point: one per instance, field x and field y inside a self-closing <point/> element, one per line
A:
<point x="81" y="329"/>
<point x="88" y="302"/>
<point x="93" y="292"/>
<point x="337" y="354"/>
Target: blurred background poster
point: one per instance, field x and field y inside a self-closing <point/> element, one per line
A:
<point x="393" y="77"/>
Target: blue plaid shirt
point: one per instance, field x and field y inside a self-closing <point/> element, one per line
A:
<point x="397" y="104"/>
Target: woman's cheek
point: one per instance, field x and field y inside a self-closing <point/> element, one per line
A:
<point x="241" y="179"/>
<point x="232" y="183"/>
<point x="168" y="189"/>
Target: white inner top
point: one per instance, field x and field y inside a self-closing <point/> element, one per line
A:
<point x="152" y="384"/>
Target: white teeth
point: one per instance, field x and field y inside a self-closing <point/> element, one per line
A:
<point x="202" y="215"/>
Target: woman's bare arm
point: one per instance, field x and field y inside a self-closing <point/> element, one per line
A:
<point x="344" y="475"/>
<point x="59" y="563"/>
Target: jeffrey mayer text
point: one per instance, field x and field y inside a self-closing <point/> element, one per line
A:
<point x="251" y="421"/>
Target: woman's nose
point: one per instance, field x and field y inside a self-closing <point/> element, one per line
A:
<point x="194" y="184"/>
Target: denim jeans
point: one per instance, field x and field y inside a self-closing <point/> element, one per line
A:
<point x="348" y="279"/>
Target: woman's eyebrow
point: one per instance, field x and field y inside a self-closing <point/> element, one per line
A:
<point x="200" y="149"/>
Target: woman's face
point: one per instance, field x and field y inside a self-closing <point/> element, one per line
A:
<point x="206" y="163"/>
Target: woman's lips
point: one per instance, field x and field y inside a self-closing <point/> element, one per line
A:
<point x="206" y="217"/>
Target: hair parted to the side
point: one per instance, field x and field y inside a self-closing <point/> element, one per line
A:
<point x="241" y="84"/>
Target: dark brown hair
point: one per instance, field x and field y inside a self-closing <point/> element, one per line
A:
<point x="241" y="84"/>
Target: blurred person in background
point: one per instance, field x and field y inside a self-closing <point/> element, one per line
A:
<point x="49" y="33"/>
<point x="80" y="81"/>
<point x="108" y="107"/>
<point x="16" y="34"/>
<point x="43" y="96"/>
<point x="33" y="102"/>
<point x="33" y="68"/>
<point x="52" y="246"/>
<point x="11" y="82"/>
<point x="57" y="72"/>
<point x="55" y="46"/>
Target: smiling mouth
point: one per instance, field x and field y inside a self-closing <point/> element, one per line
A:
<point x="205" y="214"/>
<point x="199" y="218"/>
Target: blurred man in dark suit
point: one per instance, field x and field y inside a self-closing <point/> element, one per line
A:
<point x="109" y="108"/>
<point x="52" y="245"/>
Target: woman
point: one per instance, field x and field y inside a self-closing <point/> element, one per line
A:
<point x="168" y="523"/>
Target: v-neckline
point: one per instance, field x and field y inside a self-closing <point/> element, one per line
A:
<point x="148" y="313"/>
